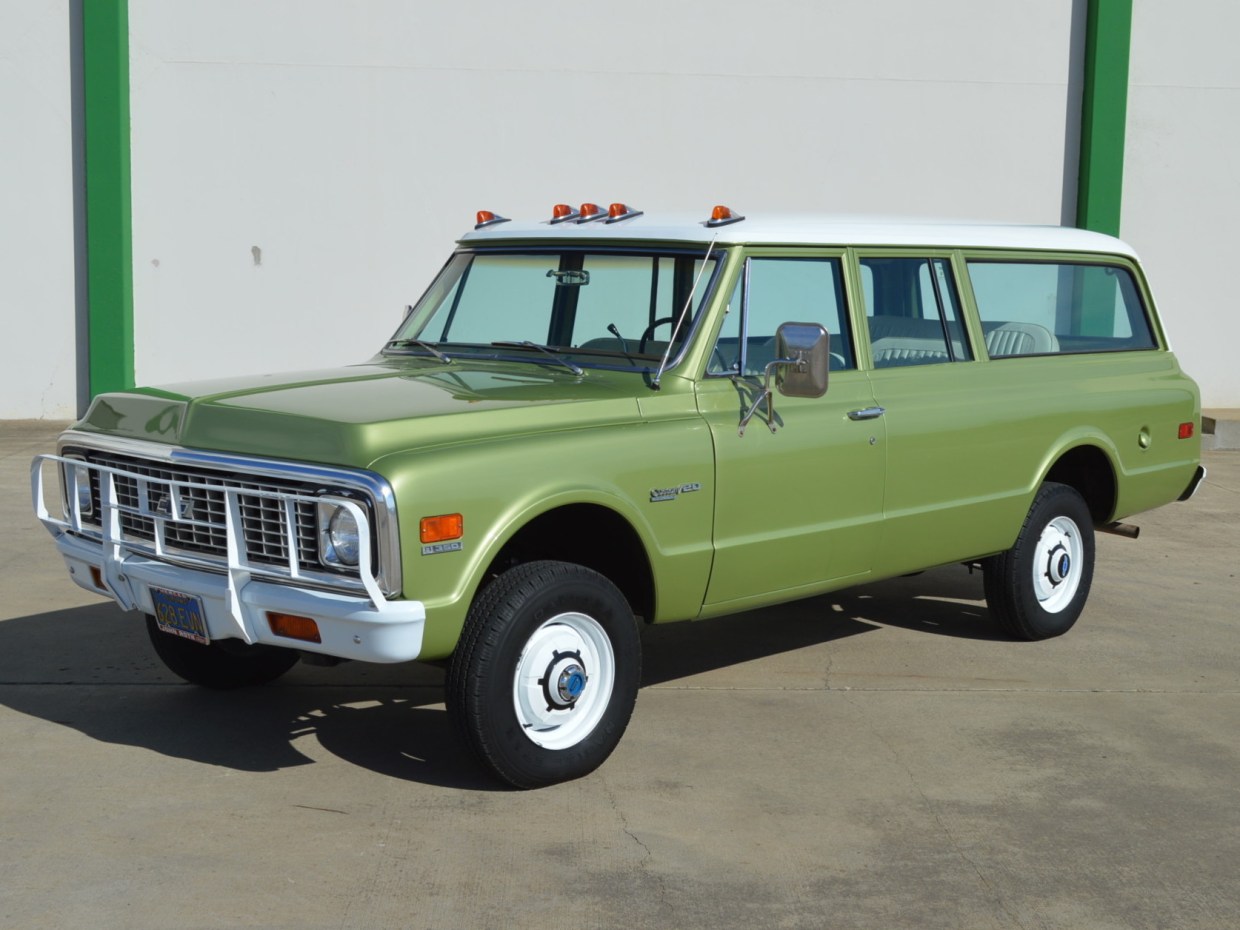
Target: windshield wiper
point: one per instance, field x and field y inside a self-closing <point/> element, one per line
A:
<point x="526" y="344"/>
<point x="397" y="343"/>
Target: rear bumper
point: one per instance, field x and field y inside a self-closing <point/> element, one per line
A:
<point x="1198" y="476"/>
<point x="349" y="627"/>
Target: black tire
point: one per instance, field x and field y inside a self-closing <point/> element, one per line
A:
<point x="1038" y="588"/>
<point x="222" y="665"/>
<point x="566" y="623"/>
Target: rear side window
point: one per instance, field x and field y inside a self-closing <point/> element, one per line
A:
<point x="1049" y="308"/>
<point x="913" y="312"/>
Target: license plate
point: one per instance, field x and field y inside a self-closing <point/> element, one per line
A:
<point x="180" y="614"/>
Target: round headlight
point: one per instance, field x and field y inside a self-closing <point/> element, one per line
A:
<point x="343" y="535"/>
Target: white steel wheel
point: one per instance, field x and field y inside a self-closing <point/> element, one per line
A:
<point x="545" y="674"/>
<point x="1038" y="588"/>
<point x="1057" y="564"/>
<point x="564" y="680"/>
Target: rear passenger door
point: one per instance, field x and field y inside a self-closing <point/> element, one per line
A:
<point x="944" y="491"/>
<point x="801" y="506"/>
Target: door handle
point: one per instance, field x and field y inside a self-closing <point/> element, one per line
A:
<point x="867" y="413"/>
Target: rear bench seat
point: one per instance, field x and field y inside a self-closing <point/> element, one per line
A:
<point x="907" y="341"/>
<point x="898" y="340"/>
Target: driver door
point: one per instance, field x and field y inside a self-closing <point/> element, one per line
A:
<point x="800" y="507"/>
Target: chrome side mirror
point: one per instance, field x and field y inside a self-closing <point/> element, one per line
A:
<point x="808" y="346"/>
<point x="804" y="357"/>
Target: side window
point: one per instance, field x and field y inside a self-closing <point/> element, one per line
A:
<point x="780" y="290"/>
<point x="1047" y="308"/>
<point x="913" y="312"/>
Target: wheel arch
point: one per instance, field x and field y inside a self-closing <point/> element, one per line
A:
<point x="586" y="533"/>
<point x="1090" y="471"/>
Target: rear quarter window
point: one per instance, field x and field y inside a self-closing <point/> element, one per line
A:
<point x="1053" y="308"/>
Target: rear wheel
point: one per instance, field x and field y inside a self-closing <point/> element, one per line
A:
<point x="221" y="665"/>
<point x="545" y="677"/>
<point x="1037" y="589"/>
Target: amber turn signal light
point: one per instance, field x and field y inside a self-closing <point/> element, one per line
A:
<point x="292" y="626"/>
<point x="442" y="528"/>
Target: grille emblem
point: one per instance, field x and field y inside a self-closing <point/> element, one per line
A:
<point x="163" y="507"/>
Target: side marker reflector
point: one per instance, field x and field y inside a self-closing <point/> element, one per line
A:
<point x="442" y="528"/>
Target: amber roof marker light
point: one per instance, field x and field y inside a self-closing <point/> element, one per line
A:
<point x="563" y="213"/>
<point x="590" y="212"/>
<point x="722" y="216"/>
<point x="618" y="211"/>
<point x="486" y="218"/>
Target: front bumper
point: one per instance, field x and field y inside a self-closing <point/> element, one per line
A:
<point x="237" y="597"/>
<point x="349" y="627"/>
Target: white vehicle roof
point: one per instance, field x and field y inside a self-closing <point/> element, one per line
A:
<point x="806" y="229"/>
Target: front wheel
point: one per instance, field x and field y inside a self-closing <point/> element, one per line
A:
<point x="545" y="677"/>
<point x="1038" y="588"/>
<point x="221" y="665"/>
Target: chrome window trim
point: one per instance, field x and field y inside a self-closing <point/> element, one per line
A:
<point x="386" y="528"/>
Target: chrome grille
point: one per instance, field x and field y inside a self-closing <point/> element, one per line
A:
<point x="263" y="519"/>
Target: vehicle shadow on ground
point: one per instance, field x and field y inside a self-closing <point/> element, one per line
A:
<point x="92" y="669"/>
<point x="946" y="601"/>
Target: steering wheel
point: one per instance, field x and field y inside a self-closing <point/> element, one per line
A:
<point x="649" y="331"/>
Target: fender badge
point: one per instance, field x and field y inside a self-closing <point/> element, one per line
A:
<point x="670" y="494"/>
<point x="437" y="548"/>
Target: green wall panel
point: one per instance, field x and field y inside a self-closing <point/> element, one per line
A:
<point x="105" y="34"/>
<point x="1104" y="109"/>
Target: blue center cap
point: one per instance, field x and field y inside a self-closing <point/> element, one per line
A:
<point x="572" y="682"/>
<point x="1065" y="564"/>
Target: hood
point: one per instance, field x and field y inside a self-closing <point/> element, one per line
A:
<point x="355" y="415"/>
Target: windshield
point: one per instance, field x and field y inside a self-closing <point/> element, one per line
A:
<point x="602" y="309"/>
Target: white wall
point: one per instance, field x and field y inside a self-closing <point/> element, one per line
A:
<point x="1182" y="183"/>
<point x="37" y="308"/>
<point x="351" y="143"/>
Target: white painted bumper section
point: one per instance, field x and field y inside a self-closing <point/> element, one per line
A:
<point x="366" y="627"/>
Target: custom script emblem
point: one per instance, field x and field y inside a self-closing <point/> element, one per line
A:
<point x="670" y="494"/>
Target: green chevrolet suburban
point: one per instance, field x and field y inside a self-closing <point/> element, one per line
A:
<point x="606" y="419"/>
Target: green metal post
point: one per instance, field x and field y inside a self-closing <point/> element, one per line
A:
<point x="1104" y="110"/>
<point x="109" y="264"/>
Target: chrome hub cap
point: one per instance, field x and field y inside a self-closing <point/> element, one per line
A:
<point x="565" y="680"/>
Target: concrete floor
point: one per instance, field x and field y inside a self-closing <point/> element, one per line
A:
<point x="872" y="759"/>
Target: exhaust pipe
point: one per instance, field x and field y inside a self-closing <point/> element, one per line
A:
<point x="1127" y="530"/>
